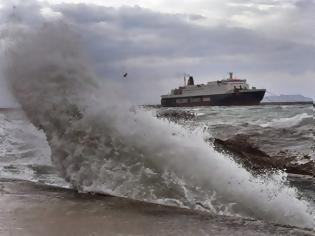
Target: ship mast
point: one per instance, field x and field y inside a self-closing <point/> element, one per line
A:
<point x="185" y="81"/>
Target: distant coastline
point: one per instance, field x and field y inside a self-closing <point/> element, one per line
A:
<point x="287" y="100"/>
<point x="288" y="103"/>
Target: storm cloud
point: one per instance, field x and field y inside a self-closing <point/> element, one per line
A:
<point x="274" y="51"/>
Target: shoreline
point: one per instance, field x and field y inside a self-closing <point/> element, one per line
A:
<point x="28" y="208"/>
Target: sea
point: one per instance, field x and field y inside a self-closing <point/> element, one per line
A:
<point x="26" y="155"/>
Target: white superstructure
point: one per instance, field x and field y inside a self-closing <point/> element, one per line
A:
<point x="211" y="88"/>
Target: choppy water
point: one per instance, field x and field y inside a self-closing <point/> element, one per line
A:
<point x="271" y="128"/>
<point x="24" y="151"/>
<point x="99" y="145"/>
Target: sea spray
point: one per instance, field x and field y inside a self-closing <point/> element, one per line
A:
<point x="100" y="142"/>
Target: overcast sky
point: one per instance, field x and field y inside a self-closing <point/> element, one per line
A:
<point x="271" y="43"/>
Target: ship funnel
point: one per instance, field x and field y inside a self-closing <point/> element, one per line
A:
<point x="231" y="75"/>
<point x="190" y="81"/>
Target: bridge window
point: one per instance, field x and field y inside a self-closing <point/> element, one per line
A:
<point x="181" y="100"/>
<point x="195" y="99"/>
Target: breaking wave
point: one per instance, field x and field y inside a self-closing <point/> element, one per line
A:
<point x="100" y="142"/>
<point x="287" y="122"/>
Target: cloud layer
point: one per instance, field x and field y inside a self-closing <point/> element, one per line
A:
<point x="270" y="43"/>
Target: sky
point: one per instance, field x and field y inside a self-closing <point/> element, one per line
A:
<point x="271" y="43"/>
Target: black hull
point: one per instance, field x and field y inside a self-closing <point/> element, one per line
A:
<point x="242" y="98"/>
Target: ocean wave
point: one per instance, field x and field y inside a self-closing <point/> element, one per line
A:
<point x="100" y="142"/>
<point x="286" y="122"/>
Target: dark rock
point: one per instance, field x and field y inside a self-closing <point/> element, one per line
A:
<point x="252" y="158"/>
<point x="245" y="153"/>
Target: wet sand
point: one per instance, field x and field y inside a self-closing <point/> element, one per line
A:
<point x="32" y="209"/>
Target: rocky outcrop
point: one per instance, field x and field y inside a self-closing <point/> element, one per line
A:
<point x="251" y="157"/>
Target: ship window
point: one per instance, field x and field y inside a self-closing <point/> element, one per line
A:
<point x="206" y="99"/>
<point x="195" y="99"/>
<point x="182" y="100"/>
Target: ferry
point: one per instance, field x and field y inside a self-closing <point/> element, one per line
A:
<point x="226" y="92"/>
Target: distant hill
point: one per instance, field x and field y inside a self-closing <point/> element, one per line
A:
<point x="287" y="99"/>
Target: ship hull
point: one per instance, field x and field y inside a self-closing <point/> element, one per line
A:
<point x="241" y="98"/>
